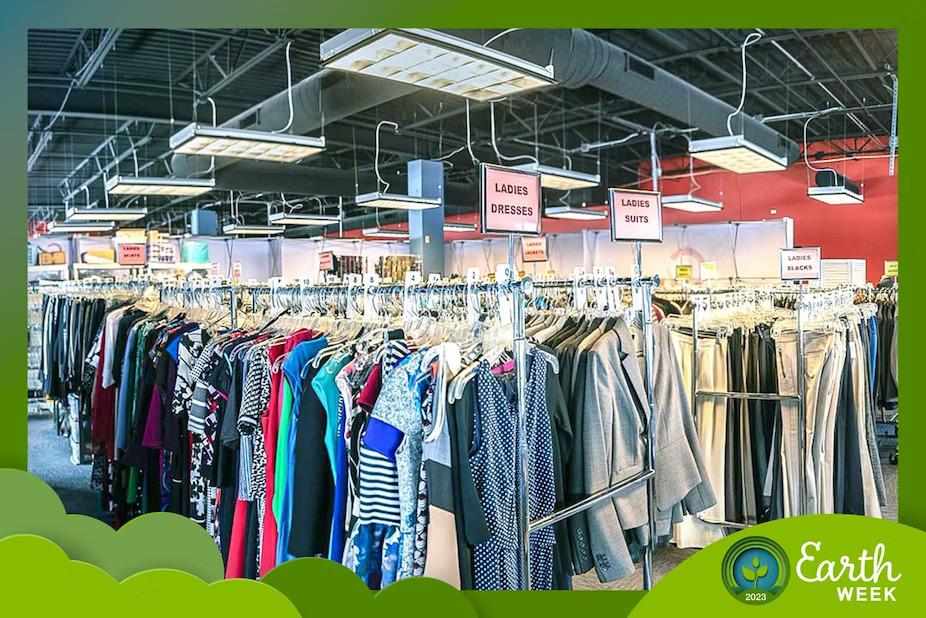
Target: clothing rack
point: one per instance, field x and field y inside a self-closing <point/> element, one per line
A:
<point x="323" y="295"/>
<point x="642" y="292"/>
<point x="807" y="303"/>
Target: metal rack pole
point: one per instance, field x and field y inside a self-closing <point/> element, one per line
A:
<point x="802" y="403"/>
<point x="649" y="349"/>
<point x="233" y="301"/>
<point x="520" y="368"/>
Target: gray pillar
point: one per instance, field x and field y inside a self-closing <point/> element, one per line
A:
<point x="426" y="227"/>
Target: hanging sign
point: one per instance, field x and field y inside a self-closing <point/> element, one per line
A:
<point x="214" y="269"/>
<point x="236" y="270"/>
<point x="683" y="271"/>
<point x="326" y="261"/>
<point x="635" y="215"/>
<point x="131" y="254"/>
<point x="534" y="249"/>
<point x="510" y="201"/>
<point x="708" y="271"/>
<point x="131" y="235"/>
<point x="800" y="264"/>
<point x="890" y="268"/>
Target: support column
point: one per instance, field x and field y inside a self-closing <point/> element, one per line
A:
<point x="426" y="227"/>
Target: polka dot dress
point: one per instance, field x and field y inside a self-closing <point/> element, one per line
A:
<point x="494" y="461"/>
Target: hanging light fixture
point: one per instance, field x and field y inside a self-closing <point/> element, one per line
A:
<point x="737" y="154"/>
<point x="451" y="226"/>
<point x="691" y="203"/>
<point x="80" y="227"/>
<point x="384" y="233"/>
<point x="197" y="139"/>
<point x="574" y="212"/>
<point x="432" y="59"/>
<point x="294" y="218"/>
<point x="561" y="179"/>
<point x="381" y="198"/>
<point x="106" y="214"/>
<point x="832" y="187"/>
<point x="239" y="229"/>
<point x="734" y="152"/>
<point x="140" y="185"/>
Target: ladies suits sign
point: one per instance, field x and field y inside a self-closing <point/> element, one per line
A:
<point x="510" y="201"/>
<point x="635" y="215"/>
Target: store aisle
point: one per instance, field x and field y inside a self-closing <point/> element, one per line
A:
<point x="49" y="459"/>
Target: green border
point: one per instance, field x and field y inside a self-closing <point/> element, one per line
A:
<point x="19" y="17"/>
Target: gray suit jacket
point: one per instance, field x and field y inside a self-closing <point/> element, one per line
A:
<point x="611" y="431"/>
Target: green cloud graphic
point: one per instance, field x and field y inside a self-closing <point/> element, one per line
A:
<point x="156" y="540"/>
<point x="313" y="584"/>
<point x="40" y="580"/>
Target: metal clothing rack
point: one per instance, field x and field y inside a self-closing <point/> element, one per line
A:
<point x="642" y="288"/>
<point x="804" y="302"/>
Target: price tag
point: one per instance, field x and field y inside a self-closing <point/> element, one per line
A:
<point x="802" y="264"/>
<point x="510" y="201"/>
<point x="434" y="278"/>
<point x="635" y="215"/>
<point x="472" y="275"/>
<point x="890" y="268"/>
<point x="708" y="271"/>
<point x="683" y="272"/>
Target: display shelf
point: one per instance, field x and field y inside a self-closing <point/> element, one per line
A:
<point x="48" y="268"/>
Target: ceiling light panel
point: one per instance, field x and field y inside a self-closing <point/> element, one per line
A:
<point x="690" y="203"/>
<point x="396" y="201"/>
<point x="561" y="179"/>
<point x="450" y="226"/>
<point x="139" y="185"/>
<point x="836" y="196"/>
<point x="291" y="218"/>
<point x="434" y="60"/>
<point x="106" y="214"/>
<point x="79" y="227"/>
<point x="208" y="141"/>
<point x="737" y="154"/>
<point x="571" y="212"/>
<point x="252" y="230"/>
<point x="383" y="233"/>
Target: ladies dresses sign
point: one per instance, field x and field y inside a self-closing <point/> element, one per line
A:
<point x="510" y="201"/>
<point x="635" y="215"/>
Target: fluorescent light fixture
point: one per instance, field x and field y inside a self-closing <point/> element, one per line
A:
<point x="139" y="185"/>
<point x="835" y="195"/>
<point x="79" y="227"/>
<point x="197" y="139"/>
<point x="396" y="201"/>
<point x="737" y="154"/>
<point x="292" y="218"/>
<point x="106" y="214"/>
<point x="383" y="233"/>
<point x="561" y="179"/>
<point x="691" y="203"/>
<point x="571" y="212"/>
<point x="435" y="60"/>
<point x="236" y="229"/>
<point x="450" y="226"/>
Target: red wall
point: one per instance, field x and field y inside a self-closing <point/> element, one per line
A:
<point x="867" y="230"/>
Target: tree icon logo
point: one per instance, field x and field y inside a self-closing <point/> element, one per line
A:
<point x="755" y="570"/>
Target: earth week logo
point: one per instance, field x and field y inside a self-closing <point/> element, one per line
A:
<point x="755" y="570"/>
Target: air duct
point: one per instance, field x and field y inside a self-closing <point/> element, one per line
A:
<point x="581" y="58"/>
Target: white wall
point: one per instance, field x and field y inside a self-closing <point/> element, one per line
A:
<point x="744" y="250"/>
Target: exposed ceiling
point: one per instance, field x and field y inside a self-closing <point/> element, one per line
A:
<point x="124" y="92"/>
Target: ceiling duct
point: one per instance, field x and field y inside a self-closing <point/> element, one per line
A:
<point x="581" y="58"/>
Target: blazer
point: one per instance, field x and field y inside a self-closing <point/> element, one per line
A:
<point x="611" y="431"/>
